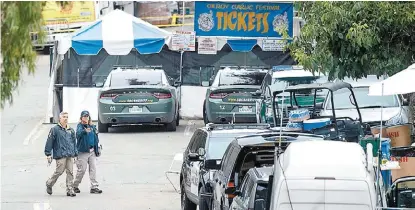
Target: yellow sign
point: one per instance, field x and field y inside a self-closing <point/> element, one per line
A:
<point x="70" y="12"/>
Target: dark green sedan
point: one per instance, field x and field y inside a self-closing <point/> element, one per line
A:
<point x="230" y="97"/>
<point x="138" y="96"/>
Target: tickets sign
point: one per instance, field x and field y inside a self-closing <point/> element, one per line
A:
<point x="242" y="19"/>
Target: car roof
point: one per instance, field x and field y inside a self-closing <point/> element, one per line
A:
<point x="216" y="133"/>
<point x="129" y="70"/>
<point x="253" y="139"/>
<point x="242" y="69"/>
<point x="333" y="86"/>
<point x="340" y="160"/>
<point x="294" y="73"/>
<point x="362" y="82"/>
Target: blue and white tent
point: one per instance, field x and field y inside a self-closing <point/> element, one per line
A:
<point x="118" y="33"/>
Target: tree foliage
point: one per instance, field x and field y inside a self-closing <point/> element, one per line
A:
<point x="18" y="19"/>
<point x="354" y="39"/>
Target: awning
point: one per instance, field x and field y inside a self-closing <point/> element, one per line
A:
<point x="400" y="83"/>
<point x="118" y="33"/>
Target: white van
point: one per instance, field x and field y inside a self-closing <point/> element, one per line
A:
<point x="323" y="175"/>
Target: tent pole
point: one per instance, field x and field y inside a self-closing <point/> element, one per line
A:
<point x="181" y="65"/>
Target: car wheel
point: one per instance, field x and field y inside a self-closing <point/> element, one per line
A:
<point x="171" y="126"/>
<point x="203" y="201"/>
<point x="186" y="204"/>
<point x="205" y="119"/>
<point x="102" y="127"/>
<point x="178" y="118"/>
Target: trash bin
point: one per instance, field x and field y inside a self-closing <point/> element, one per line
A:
<point x="406" y="158"/>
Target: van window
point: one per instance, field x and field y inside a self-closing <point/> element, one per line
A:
<point x="261" y="191"/>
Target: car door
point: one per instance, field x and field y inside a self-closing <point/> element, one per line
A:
<point x="218" y="178"/>
<point x="200" y="142"/>
<point x="227" y="175"/>
<point x="187" y="163"/>
<point x="239" y="201"/>
<point x="260" y="102"/>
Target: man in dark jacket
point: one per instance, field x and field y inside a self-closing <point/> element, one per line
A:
<point x="62" y="142"/>
<point x="87" y="144"/>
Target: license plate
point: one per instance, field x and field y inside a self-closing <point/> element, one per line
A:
<point x="135" y="109"/>
<point x="245" y="109"/>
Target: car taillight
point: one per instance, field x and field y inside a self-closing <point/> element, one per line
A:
<point x="108" y="95"/>
<point x="218" y="95"/>
<point x="162" y="95"/>
<point x="231" y="184"/>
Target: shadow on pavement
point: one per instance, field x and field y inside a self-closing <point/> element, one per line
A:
<point x="143" y="129"/>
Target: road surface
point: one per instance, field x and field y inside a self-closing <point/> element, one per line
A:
<point x="131" y="171"/>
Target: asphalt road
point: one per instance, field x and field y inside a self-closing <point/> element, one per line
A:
<point x="131" y="170"/>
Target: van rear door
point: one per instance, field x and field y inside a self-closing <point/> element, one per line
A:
<point x="347" y="194"/>
<point x="303" y="195"/>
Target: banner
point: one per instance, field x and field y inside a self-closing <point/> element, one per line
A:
<point x="71" y="12"/>
<point x="207" y="45"/>
<point x="183" y="41"/>
<point x="242" y="19"/>
<point x="272" y="45"/>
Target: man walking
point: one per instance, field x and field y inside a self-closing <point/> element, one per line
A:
<point x="87" y="144"/>
<point x="62" y="141"/>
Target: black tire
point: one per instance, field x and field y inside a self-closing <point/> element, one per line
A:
<point x="171" y="126"/>
<point x="178" y="118"/>
<point x="186" y="204"/>
<point x="102" y="128"/>
<point x="205" y="118"/>
<point x="203" y="201"/>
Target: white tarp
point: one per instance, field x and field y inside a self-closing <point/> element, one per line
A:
<point x="400" y="83"/>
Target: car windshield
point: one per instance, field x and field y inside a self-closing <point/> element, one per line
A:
<point x="217" y="144"/>
<point x="129" y="78"/>
<point x="241" y="77"/>
<point x="342" y="100"/>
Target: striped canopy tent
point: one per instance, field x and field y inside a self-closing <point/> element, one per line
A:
<point x="118" y="33"/>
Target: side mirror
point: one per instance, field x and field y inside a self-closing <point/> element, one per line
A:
<point x="232" y="190"/>
<point x="193" y="157"/>
<point x="259" y="204"/>
<point x="177" y="83"/>
<point x="201" y="152"/>
<point x="257" y="93"/>
<point x="405" y="102"/>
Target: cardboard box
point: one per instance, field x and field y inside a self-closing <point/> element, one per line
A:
<point x="407" y="165"/>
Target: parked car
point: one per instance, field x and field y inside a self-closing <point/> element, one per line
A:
<point x="254" y="190"/>
<point x="278" y="79"/>
<point x="140" y="95"/>
<point x="402" y="193"/>
<point x="395" y="107"/>
<point x="323" y="175"/>
<point x="244" y="153"/>
<point x="202" y="158"/>
<point x="230" y="96"/>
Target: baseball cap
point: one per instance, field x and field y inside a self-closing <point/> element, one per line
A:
<point x="84" y="113"/>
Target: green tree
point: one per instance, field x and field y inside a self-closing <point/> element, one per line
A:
<point x="354" y="39"/>
<point x="18" y="19"/>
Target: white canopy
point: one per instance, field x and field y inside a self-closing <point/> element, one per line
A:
<point x="401" y="83"/>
